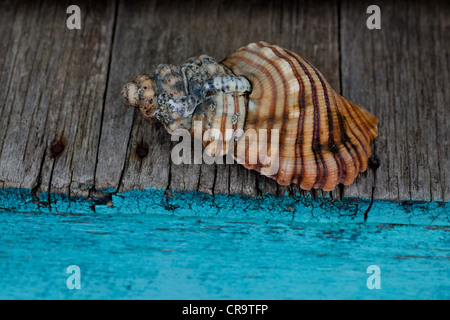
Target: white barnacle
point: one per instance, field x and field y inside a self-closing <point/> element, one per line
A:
<point x="228" y="83"/>
<point x="217" y="83"/>
<point x="235" y="118"/>
<point x="184" y="105"/>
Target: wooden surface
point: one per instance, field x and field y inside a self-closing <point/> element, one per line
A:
<point x="64" y="127"/>
<point x="141" y="256"/>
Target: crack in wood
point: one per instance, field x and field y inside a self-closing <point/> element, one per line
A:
<point x="113" y="34"/>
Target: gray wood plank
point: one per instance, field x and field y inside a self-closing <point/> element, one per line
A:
<point x="16" y="77"/>
<point x="138" y="48"/>
<point x="398" y="73"/>
<point x="441" y="34"/>
<point x="60" y="88"/>
<point x="52" y="86"/>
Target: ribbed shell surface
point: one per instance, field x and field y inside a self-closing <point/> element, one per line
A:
<point x="323" y="138"/>
<point x="223" y="120"/>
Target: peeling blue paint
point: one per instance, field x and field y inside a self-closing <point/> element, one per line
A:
<point x="267" y="207"/>
<point x="154" y="244"/>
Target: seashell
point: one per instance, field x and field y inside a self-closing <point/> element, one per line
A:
<point x="272" y="109"/>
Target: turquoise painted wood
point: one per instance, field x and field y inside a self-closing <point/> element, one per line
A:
<point x="143" y="246"/>
<point x="146" y="256"/>
<point x="70" y="143"/>
<point x="267" y="207"/>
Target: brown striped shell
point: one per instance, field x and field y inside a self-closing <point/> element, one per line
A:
<point x="303" y="131"/>
<point x="324" y="139"/>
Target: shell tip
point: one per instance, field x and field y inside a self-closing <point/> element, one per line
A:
<point x="131" y="93"/>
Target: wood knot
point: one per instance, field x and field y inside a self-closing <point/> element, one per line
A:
<point x="374" y="163"/>
<point x="57" y="148"/>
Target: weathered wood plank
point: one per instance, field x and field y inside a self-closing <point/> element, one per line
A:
<point x="52" y="88"/>
<point x="138" y="47"/>
<point x="60" y="85"/>
<point x="398" y="73"/>
<point x="16" y="78"/>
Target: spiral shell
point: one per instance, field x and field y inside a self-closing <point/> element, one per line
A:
<point x="324" y="139"/>
<point x="319" y="138"/>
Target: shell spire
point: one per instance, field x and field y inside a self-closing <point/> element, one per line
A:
<point x="289" y="122"/>
<point x="200" y="91"/>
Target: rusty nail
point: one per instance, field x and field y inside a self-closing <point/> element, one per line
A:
<point x="141" y="150"/>
<point x="57" y="148"/>
<point x="374" y="162"/>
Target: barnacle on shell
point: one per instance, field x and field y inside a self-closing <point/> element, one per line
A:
<point x="322" y="139"/>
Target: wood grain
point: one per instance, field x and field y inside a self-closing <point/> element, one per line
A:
<point x="398" y="73"/>
<point x="63" y="86"/>
<point x="52" y="86"/>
